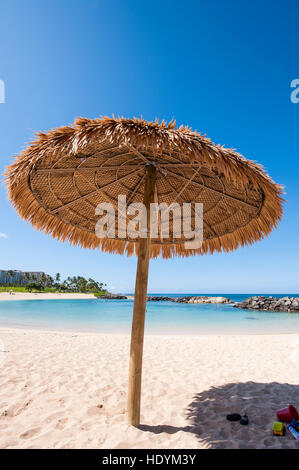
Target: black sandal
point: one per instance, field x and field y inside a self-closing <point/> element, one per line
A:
<point x="233" y="417"/>
<point x="244" y="420"/>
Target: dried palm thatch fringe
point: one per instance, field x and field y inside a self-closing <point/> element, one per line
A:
<point x="154" y="138"/>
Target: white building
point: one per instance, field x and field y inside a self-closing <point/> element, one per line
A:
<point x="19" y="277"/>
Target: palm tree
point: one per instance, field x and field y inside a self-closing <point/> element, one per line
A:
<point x="50" y="281"/>
<point x="72" y="283"/>
<point x="57" y="279"/>
<point x="81" y="284"/>
<point x="64" y="286"/>
<point x="10" y="274"/>
<point x="43" y="279"/>
<point x="92" y="285"/>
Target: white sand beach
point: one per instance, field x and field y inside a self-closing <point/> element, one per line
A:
<point x="42" y="296"/>
<point x="68" y="390"/>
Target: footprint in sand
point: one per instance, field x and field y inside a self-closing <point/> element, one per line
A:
<point x="30" y="433"/>
<point x="16" y="409"/>
<point x="52" y="417"/>
<point x="61" y="423"/>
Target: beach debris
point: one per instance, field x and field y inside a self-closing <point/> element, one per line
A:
<point x="287" y="414"/>
<point x="278" y="428"/>
<point x="100" y="405"/>
<point x="295" y="424"/>
<point x="276" y="304"/>
<point x="293" y="432"/>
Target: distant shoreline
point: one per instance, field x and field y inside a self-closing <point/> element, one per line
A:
<point x="81" y="296"/>
<point x="43" y="296"/>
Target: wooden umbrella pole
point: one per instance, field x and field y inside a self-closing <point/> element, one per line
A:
<point x="137" y="333"/>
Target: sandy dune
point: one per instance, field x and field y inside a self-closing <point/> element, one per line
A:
<point x="68" y="390"/>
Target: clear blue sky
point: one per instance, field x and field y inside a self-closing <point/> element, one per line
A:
<point x="223" y="68"/>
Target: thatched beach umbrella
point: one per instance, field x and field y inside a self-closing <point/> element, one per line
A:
<point x="58" y="182"/>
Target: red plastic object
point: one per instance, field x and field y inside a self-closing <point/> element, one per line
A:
<point x="287" y="414"/>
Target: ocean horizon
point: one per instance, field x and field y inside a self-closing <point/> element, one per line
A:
<point x="163" y="317"/>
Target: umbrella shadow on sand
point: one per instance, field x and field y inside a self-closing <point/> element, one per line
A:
<point x="207" y="415"/>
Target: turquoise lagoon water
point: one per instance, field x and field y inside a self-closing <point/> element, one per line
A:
<point x="115" y="316"/>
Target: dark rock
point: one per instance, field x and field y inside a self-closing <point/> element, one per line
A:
<point x="158" y="299"/>
<point x="192" y="299"/>
<point x="113" y="296"/>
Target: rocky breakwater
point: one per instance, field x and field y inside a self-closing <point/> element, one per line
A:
<point x="274" y="304"/>
<point x="113" y="296"/>
<point x="159" y="299"/>
<point x="203" y="300"/>
<point x="191" y="300"/>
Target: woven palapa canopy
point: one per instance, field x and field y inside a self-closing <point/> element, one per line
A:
<point x="59" y="180"/>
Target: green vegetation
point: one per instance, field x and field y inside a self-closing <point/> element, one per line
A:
<point x="47" y="283"/>
<point x="7" y="288"/>
<point x="77" y="284"/>
<point x="100" y="294"/>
